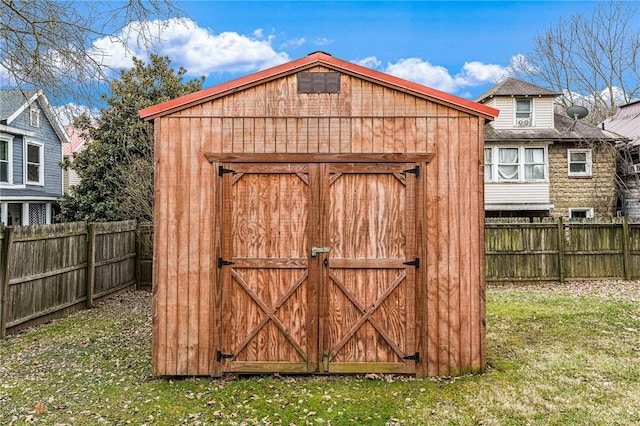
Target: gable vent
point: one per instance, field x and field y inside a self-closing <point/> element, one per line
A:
<point x="318" y="82"/>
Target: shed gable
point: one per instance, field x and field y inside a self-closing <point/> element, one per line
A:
<point x="360" y="116"/>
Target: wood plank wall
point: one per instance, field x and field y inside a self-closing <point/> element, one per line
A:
<point x="365" y="117"/>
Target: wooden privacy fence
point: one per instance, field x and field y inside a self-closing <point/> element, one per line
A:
<point x="48" y="271"/>
<point x="555" y="250"/>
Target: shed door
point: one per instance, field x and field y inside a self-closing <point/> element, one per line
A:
<point x="348" y="307"/>
<point x="369" y="289"/>
<point x="265" y="290"/>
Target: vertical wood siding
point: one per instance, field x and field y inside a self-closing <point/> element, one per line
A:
<point x="271" y="117"/>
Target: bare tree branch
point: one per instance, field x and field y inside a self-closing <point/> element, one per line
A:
<point x="591" y="58"/>
<point x="48" y="44"/>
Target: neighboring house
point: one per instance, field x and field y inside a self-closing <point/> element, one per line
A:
<point x="627" y="123"/>
<point x="539" y="163"/>
<point x="77" y="140"/>
<point x="31" y="142"/>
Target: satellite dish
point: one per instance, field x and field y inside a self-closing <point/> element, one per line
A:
<point x="577" y="112"/>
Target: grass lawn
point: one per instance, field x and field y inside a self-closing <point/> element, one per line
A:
<point x="557" y="354"/>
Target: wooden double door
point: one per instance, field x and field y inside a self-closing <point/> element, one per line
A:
<point x="318" y="268"/>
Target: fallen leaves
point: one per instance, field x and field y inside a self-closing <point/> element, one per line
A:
<point x="40" y="408"/>
<point x="94" y="368"/>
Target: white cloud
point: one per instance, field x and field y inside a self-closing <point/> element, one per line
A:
<point x="5" y="78"/>
<point x="295" y="42"/>
<point x="476" y="73"/>
<point x="520" y="64"/>
<point x="472" y="74"/>
<point x="322" y="41"/>
<point x="592" y="102"/>
<point x="198" y="50"/>
<point x="67" y="112"/>
<point x="423" y="72"/>
<point x="369" y="62"/>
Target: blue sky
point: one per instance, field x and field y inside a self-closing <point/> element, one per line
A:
<point x="426" y="41"/>
<point x="461" y="47"/>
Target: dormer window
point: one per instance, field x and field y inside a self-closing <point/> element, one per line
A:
<point x="524" y="112"/>
<point x="34" y="116"/>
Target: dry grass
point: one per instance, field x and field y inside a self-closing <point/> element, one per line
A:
<point x="558" y="354"/>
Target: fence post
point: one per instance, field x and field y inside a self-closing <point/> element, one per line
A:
<point x="138" y="256"/>
<point x="625" y="245"/>
<point x="561" y="243"/>
<point x="91" y="260"/>
<point x="5" y="275"/>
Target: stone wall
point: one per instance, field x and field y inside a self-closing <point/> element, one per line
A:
<point x="597" y="192"/>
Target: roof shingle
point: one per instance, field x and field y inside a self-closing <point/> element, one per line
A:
<point x="514" y="87"/>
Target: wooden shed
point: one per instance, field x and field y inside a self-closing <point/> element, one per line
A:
<point x="318" y="216"/>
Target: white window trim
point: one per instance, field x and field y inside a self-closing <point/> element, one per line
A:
<point x="9" y="140"/>
<point x="4" y="213"/>
<point x="588" y="210"/>
<point x="589" y="163"/>
<point x="494" y="166"/>
<point x="34" y="116"/>
<point x="515" y="111"/>
<point x="40" y="181"/>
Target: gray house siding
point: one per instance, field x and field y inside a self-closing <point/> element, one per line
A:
<point x="22" y="202"/>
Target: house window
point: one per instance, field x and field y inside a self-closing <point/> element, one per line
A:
<point x="534" y="164"/>
<point x="524" y="112"/>
<point x="515" y="164"/>
<point x="581" y="213"/>
<point x="508" y="163"/>
<point x="488" y="164"/>
<point x="4" y="161"/>
<point x="34" y="164"/>
<point x="34" y="116"/>
<point x="579" y="162"/>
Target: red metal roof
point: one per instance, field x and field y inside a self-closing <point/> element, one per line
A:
<point x="306" y="62"/>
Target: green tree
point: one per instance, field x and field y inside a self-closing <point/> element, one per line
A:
<point x="116" y="165"/>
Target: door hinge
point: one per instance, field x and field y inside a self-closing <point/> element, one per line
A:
<point x="222" y="171"/>
<point x="222" y="262"/>
<point x="415" y="171"/>
<point x="220" y="356"/>
<point x="415" y="263"/>
<point x="415" y="357"/>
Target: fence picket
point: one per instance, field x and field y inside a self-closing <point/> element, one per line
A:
<point x="91" y="268"/>
<point x="48" y="271"/>
<point x="586" y="249"/>
<point x="5" y="275"/>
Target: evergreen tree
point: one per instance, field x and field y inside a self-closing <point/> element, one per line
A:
<point x="116" y="164"/>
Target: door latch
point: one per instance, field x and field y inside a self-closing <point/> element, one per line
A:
<point x="316" y="250"/>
